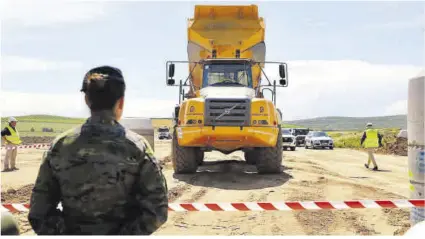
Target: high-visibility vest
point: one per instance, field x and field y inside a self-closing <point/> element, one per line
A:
<point x="148" y="149"/>
<point x="371" y="139"/>
<point x="14" y="136"/>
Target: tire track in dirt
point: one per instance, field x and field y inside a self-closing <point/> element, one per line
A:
<point x="328" y="222"/>
<point x="177" y="192"/>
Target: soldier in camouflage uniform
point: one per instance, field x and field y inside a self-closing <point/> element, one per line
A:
<point x="105" y="177"/>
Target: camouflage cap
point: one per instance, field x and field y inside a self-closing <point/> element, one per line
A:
<point x="102" y="74"/>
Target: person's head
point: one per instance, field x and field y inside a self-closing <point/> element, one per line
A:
<point x="12" y="121"/>
<point x="104" y="89"/>
<point x="369" y="125"/>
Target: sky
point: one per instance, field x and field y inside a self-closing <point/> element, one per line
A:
<point x="344" y="58"/>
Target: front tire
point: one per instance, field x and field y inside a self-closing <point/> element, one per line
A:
<point x="185" y="159"/>
<point x="270" y="159"/>
<point x="292" y="148"/>
<point x="251" y="157"/>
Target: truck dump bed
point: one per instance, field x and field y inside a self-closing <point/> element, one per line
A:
<point x="225" y="29"/>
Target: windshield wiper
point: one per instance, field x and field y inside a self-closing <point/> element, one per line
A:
<point x="227" y="83"/>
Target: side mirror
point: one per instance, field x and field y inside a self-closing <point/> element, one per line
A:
<point x="282" y="71"/>
<point x="280" y="113"/>
<point x="171" y="82"/>
<point x="283" y="82"/>
<point x="171" y="70"/>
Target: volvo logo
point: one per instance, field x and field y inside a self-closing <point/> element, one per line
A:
<point x="226" y="111"/>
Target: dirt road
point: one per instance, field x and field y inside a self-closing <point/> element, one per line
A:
<point x="307" y="175"/>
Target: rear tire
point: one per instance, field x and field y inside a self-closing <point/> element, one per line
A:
<point x="292" y="148"/>
<point x="184" y="159"/>
<point x="200" y="156"/>
<point x="251" y="157"/>
<point x="270" y="159"/>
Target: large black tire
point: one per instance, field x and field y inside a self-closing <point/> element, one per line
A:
<point x="292" y="148"/>
<point x="199" y="156"/>
<point x="251" y="157"/>
<point x="184" y="158"/>
<point x="270" y="159"/>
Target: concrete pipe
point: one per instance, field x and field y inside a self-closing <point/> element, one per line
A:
<point x="141" y="126"/>
<point x="416" y="142"/>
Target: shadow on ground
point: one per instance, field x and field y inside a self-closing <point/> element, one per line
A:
<point x="384" y="170"/>
<point x="233" y="174"/>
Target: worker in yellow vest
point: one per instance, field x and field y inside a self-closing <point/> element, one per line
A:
<point x="371" y="139"/>
<point x="11" y="139"/>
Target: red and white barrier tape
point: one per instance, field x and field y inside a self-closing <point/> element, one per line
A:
<point x="29" y="146"/>
<point x="270" y="206"/>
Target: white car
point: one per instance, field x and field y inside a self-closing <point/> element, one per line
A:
<point x="318" y="139"/>
<point x="164" y="133"/>
<point x="288" y="140"/>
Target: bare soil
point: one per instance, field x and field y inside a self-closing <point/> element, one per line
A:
<point x="336" y="174"/>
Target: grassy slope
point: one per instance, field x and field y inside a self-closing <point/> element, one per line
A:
<point x="353" y="123"/>
<point x="38" y="122"/>
<point x="351" y="139"/>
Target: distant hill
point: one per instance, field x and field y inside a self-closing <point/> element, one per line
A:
<point x="322" y="123"/>
<point x="352" y="123"/>
<point x="46" y="119"/>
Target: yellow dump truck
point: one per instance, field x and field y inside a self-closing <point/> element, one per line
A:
<point x="224" y="108"/>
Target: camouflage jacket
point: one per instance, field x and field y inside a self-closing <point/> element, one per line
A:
<point x="106" y="179"/>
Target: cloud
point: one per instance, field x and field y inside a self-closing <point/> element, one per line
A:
<point x="316" y="88"/>
<point x="22" y="64"/>
<point x="417" y="22"/>
<point x="47" y="13"/>
<point x="315" y="23"/>
<point x="397" y="108"/>
<point x="343" y="88"/>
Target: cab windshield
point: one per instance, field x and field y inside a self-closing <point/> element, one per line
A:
<point x="300" y="132"/>
<point x="162" y="130"/>
<point x="227" y="75"/>
<point x="319" y="134"/>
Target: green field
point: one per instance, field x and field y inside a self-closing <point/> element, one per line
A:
<point x="32" y="125"/>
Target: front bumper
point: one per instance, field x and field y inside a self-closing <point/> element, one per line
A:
<point x="227" y="138"/>
<point x="288" y="144"/>
<point x="300" y="141"/>
<point x="323" y="144"/>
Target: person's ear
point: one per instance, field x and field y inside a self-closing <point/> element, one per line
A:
<point x="121" y="103"/>
<point x="87" y="101"/>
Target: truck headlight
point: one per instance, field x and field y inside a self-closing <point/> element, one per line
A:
<point x="263" y="122"/>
